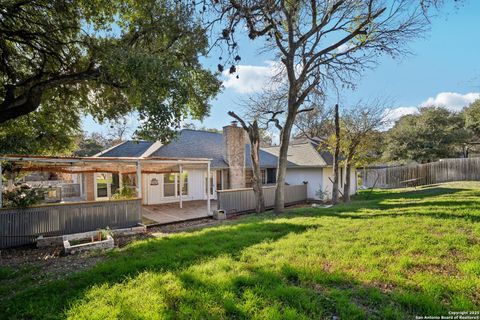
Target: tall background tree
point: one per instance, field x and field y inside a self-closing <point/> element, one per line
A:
<point x="472" y="118"/>
<point x="336" y="153"/>
<point x="360" y="128"/>
<point x="320" y="44"/>
<point x="119" y="129"/>
<point x="90" y="144"/>
<point x="358" y="136"/>
<point x="103" y="58"/>
<point x="432" y="134"/>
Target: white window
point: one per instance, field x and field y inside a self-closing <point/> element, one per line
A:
<point x="171" y="184"/>
<point x="185" y="183"/>
<point x="212" y="182"/>
<point x="103" y="185"/>
<point x="264" y="176"/>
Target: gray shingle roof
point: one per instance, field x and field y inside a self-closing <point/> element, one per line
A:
<point x="204" y="144"/>
<point x="128" y="149"/>
<point x="326" y="155"/>
<point x="300" y="155"/>
<point x="267" y="160"/>
<point x="195" y="144"/>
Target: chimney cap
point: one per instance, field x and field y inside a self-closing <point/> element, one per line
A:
<point x="234" y="123"/>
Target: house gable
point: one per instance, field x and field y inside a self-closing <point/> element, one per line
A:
<point x="300" y="155"/>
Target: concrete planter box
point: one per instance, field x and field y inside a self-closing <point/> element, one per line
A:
<point x="54" y="241"/>
<point x="88" y="246"/>
<point x="219" y="215"/>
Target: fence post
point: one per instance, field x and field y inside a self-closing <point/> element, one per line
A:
<point x="208" y="188"/>
<point x="1" y="186"/>
<point x="181" y="186"/>
<point x="139" y="180"/>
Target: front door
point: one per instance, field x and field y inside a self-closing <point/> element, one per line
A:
<point x="154" y="188"/>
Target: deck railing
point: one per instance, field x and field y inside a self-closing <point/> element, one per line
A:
<point x="19" y="226"/>
<point x="243" y="200"/>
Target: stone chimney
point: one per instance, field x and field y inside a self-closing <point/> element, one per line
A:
<point x="234" y="138"/>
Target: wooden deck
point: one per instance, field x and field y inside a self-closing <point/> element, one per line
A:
<point x="171" y="212"/>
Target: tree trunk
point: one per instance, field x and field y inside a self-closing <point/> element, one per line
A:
<point x="346" y="186"/>
<point x="336" y="155"/>
<point x="10" y="180"/>
<point x="257" y="176"/>
<point x="282" y="164"/>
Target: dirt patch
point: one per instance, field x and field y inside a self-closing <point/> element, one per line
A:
<point x="52" y="263"/>
<point x="123" y="240"/>
<point x="440" y="269"/>
<point x="49" y="263"/>
<point x="384" y="287"/>
<point x="184" y="226"/>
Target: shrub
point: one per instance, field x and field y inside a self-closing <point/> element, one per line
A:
<point x="105" y="232"/>
<point x="22" y="196"/>
<point x="124" y="192"/>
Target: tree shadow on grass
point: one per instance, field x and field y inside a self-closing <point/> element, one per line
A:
<point x="180" y="252"/>
<point x="284" y="292"/>
<point x="430" y="209"/>
<point x="160" y="254"/>
<point x="408" y="207"/>
<point x="422" y="192"/>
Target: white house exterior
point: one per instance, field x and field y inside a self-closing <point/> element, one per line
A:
<point x="230" y="167"/>
<point x="308" y="165"/>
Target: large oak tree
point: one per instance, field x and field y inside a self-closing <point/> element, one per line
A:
<point x="320" y="44"/>
<point x="105" y="58"/>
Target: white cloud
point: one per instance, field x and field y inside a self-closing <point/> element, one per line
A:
<point x="344" y="47"/>
<point x="451" y="100"/>
<point x="251" y="78"/>
<point x="392" y="115"/>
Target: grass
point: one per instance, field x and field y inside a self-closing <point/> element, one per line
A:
<point x="390" y="254"/>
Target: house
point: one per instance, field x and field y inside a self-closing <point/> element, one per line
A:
<point x="230" y="167"/>
<point x="163" y="183"/>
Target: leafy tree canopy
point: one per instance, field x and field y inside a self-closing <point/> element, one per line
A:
<point x="433" y="133"/>
<point x="105" y="58"/>
<point x="49" y="131"/>
<point x="472" y="117"/>
<point x="89" y="145"/>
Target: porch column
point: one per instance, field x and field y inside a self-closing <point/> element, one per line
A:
<point x="181" y="186"/>
<point x="139" y="179"/>
<point x="208" y="188"/>
<point x="80" y="182"/>
<point x="1" y="186"/>
<point x="120" y="180"/>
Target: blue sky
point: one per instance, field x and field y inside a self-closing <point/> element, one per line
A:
<point x="444" y="69"/>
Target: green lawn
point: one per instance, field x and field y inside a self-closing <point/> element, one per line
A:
<point x="389" y="255"/>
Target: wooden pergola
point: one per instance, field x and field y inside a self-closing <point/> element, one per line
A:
<point x="120" y="165"/>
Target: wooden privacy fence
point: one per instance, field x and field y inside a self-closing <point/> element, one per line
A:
<point x="428" y="173"/>
<point x="243" y="200"/>
<point x="19" y="226"/>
